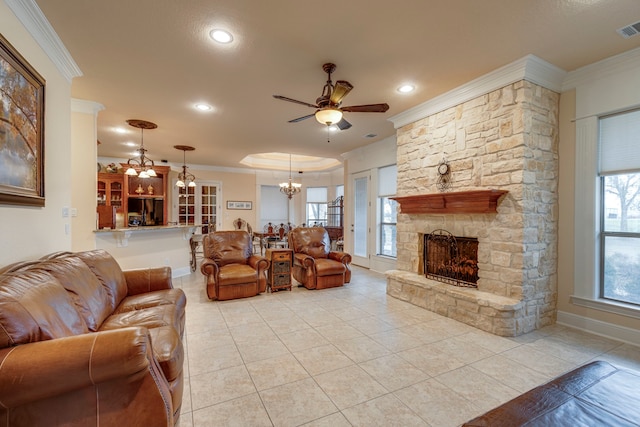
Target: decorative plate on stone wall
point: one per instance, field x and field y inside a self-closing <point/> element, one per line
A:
<point x="444" y="176"/>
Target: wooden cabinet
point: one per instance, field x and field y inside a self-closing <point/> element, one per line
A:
<point x="110" y="190"/>
<point x="279" y="276"/>
<point x="145" y="201"/>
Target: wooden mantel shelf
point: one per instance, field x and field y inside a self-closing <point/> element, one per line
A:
<point x="475" y="201"/>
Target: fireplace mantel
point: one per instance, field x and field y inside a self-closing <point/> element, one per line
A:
<point x="475" y="201"/>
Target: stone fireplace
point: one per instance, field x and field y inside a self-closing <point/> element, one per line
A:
<point x="501" y="146"/>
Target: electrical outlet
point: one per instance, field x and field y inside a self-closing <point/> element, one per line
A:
<point x="74" y="212"/>
<point x="65" y="212"/>
<point x="166" y="261"/>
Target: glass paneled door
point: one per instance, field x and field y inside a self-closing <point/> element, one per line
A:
<point x="360" y="220"/>
<point x="199" y="205"/>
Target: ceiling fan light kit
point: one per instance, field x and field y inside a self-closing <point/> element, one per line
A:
<point x="328" y="116"/>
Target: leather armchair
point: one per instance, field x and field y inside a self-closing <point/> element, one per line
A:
<point x="314" y="264"/>
<point x="231" y="270"/>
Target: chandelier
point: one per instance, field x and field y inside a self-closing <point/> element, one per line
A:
<point x="142" y="162"/>
<point x="290" y="188"/>
<point x="185" y="179"/>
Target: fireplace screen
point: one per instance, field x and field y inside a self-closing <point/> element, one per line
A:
<point x="450" y="259"/>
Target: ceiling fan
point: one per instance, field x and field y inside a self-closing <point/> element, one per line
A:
<point x="328" y="110"/>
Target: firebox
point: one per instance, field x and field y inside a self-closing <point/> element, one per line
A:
<point x="450" y="259"/>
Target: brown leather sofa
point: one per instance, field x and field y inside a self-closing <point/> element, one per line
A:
<point x="314" y="265"/>
<point x="84" y="343"/>
<point x="596" y="394"/>
<point x="231" y="270"/>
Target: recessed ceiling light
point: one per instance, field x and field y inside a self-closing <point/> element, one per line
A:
<point x="406" y="88"/>
<point x="203" y="107"/>
<point x="130" y="144"/>
<point x="221" y="36"/>
<point x="120" y="130"/>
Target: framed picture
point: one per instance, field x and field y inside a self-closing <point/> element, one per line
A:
<point x="21" y="130"/>
<point x="239" y="205"/>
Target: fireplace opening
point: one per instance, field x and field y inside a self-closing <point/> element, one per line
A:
<point x="450" y="259"/>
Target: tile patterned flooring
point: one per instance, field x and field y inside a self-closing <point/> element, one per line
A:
<point x="353" y="356"/>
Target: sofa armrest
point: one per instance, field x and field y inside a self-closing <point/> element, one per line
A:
<point x="342" y="257"/>
<point x="303" y="260"/>
<point x="144" y="280"/>
<point x="44" y="369"/>
<point x="259" y="263"/>
<point x="210" y="270"/>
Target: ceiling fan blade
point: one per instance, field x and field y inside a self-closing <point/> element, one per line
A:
<point x="343" y="124"/>
<point x="284" y="98"/>
<point x="340" y="90"/>
<point x="299" y="119"/>
<point x="370" y="108"/>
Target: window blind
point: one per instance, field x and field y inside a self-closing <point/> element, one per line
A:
<point x="387" y="177"/>
<point x="620" y="143"/>
<point x="316" y="194"/>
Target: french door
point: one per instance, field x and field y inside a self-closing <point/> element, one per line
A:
<point x="200" y="205"/>
<point x="360" y="218"/>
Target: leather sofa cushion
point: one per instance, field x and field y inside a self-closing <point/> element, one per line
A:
<point x="108" y="272"/>
<point x="235" y="274"/>
<point x="329" y="267"/>
<point x="312" y="241"/>
<point x="152" y="317"/>
<point x="167" y="347"/>
<point x="35" y="307"/>
<point x="88" y="295"/>
<point x="228" y="247"/>
<point x="596" y="394"/>
<point x="153" y="299"/>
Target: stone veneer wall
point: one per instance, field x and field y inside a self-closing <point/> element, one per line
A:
<point x="508" y="140"/>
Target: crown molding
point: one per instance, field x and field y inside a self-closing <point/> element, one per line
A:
<point x="86" y="107"/>
<point x="629" y="60"/>
<point x="529" y="68"/>
<point x="34" y="21"/>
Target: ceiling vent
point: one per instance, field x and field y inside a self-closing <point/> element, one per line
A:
<point x="630" y="30"/>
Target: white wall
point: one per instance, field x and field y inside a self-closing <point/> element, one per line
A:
<point x="83" y="173"/>
<point x="608" y="86"/>
<point x="30" y="232"/>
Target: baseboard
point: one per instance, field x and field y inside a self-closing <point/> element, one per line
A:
<point x="598" y="327"/>
<point x="179" y="272"/>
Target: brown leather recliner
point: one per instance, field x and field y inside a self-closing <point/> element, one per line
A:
<point x="230" y="268"/>
<point x="314" y="264"/>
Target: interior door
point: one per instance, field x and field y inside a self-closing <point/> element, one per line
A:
<point x="208" y="208"/>
<point x="359" y="225"/>
<point x="199" y="205"/>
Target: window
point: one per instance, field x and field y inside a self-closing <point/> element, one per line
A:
<point x="387" y="216"/>
<point x="274" y="207"/>
<point x="620" y="207"/>
<point x="316" y="206"/>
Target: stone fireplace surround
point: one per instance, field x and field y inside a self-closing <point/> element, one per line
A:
<point x="506" y="140"/>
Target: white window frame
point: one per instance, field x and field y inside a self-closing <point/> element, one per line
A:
<point x="587" y="224"/>
<point x="320" y="221"/>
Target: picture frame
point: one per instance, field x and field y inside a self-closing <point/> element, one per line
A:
<point x="22" y="92"/>
<point x="239" y="205"/>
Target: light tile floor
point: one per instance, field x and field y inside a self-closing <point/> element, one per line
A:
<point x="353" y="356"/>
